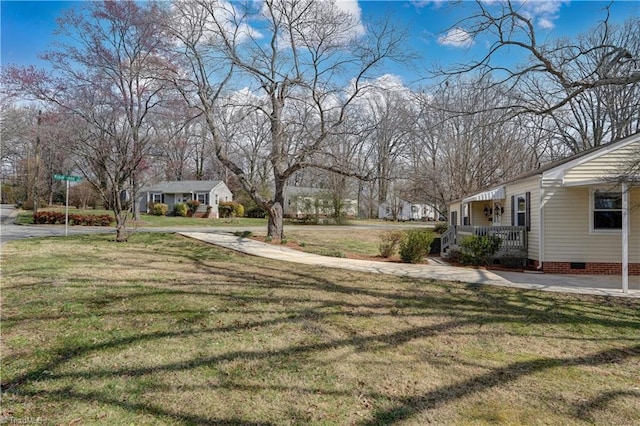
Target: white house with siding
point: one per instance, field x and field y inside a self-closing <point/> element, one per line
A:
<point x="580" y="215"/>
<point x="406" y="210"/>
<point x="207" y="192"/>
<point x="301" y="202"/>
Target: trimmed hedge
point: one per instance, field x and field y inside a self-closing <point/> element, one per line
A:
<point x="58" y="218"/>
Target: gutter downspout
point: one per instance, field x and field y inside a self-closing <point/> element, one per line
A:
<point x="625" y="237"/>
<point x="540" y="227"/>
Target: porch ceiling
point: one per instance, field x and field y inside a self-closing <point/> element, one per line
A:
<point x="492" y="194"/>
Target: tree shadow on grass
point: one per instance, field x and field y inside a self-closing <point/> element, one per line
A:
<point x="499" y="376"/>
<point x="310" y="295"/>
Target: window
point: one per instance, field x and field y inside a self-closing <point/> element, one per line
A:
<point x="606" y="210"/>
<point x="466" y="220"/>
<point x="521" y="210"/>
<point x="203" y="197"/>
<point x="454" y="218"/>
<point x="156" y="197"/>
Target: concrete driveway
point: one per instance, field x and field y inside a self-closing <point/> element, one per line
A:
<point x="593" y="285"/>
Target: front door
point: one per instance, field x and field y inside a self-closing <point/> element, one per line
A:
<point x="498" y="210"/>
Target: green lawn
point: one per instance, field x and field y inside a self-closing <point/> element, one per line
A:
<point x="164" y="330"/>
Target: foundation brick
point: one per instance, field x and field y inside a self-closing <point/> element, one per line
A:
<point x="591" y="268"/>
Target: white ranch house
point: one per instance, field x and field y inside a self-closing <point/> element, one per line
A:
<point x="208" y="192"/>
<point x="302" y="202"/>
<point x="580" y="215"/>
<point x="406" y="210"/>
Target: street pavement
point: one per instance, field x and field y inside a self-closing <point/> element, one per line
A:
<point x="593" y="285"/>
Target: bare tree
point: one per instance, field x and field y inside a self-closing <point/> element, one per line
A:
<point x="108" y="73"/>
<point x="606" y="63"/>
<point x="463" y="143"/>
<point x="306" y="63"/>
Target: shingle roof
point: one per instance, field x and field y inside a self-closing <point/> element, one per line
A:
<point x="183" y="186"/>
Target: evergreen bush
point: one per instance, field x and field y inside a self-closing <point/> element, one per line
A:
<point x="416" y="245"/>
<point x="180" y="209"/>
<point x="159" y="209"/>
<point x="479" y="249"/>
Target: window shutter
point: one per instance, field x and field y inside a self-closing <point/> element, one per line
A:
<point x="528" y="214"/>
<point x="513" y="210"/>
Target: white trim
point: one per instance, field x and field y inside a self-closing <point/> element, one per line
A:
<point x="540" y="226"/>
<point x="557" y="173"/>
<point x="626" y="230"/>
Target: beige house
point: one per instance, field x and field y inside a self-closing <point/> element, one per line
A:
<point x="580" y="215"/>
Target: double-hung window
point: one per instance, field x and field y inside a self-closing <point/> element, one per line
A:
<point x="521" y="210"/>
<point x="156" y="197"/>
<point x="606" y="207"/>
<point x="202" y="197"/>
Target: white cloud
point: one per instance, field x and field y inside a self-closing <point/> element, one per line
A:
<point x="352" y="7"/>
<point x="543" y="13"/>
<point x="456" y="37"/>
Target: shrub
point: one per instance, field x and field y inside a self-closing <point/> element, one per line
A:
<point x="230" y="209"/>
<point x="479" y="249"/>
<point x="257" y="212"/>
<point x="416" y="245"/>
<point x="389" y="243"/>
<point x="192" y="205"/>
<point x="159" y="209"/>
<point x="58" y="218"/>
<point x="224" y="210"/>
<point x="180" y="209"/>
<point x="441" y="228"/>
<point x="239" y="210"/>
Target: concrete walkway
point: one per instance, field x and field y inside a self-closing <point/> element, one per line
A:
<point x="593" y="285"/>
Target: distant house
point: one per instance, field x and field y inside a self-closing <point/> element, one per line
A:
<point x="580" y="215"/>
<point x="406" y="210"/>
<point x="207" y="192"/>
<point x="302" y="202"/>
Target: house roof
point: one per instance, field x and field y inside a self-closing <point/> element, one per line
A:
<point x="564" y="163"/>
<point x="183" y="186"/>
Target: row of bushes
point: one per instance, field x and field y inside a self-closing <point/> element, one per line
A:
<point x="53" y="218"/>
<point x="413" y="245"/>
<point x="225" y="209"/>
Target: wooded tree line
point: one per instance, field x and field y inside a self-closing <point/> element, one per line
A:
<point x="294" y="92"/>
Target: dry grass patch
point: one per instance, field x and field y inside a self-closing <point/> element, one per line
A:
<point x="166" y="330"/>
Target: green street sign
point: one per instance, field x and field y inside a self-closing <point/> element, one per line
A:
<point x="67" y="177"/>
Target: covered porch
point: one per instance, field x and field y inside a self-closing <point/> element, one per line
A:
<point x="483" y="214"/>
<point x="513" y="239"/>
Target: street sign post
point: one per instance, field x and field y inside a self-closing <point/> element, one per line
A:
<point x="68" y="179"/>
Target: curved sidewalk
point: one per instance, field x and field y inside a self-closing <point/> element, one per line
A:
<point x="600" y="285"/>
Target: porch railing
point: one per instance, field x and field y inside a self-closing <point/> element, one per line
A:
<point x="512" y="238"/>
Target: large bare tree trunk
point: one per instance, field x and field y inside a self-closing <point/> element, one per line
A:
<point x="275" y="228"/>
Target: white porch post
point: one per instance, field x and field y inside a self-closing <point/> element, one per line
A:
<point x="625" y="238"/>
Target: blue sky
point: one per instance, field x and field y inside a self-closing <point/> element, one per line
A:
<point x="27" y="26"/>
